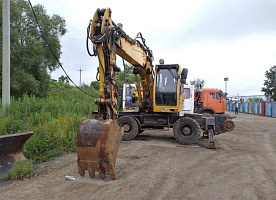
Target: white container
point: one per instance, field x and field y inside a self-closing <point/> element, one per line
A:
<point x="70" y="178"/>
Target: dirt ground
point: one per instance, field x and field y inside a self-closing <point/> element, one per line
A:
<point x="155" y="166"/>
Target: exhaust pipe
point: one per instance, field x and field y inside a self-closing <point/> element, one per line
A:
<point x="11" y="150"/>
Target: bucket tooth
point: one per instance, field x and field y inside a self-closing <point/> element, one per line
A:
<point x="91" y="172"/>
<point x="97" y="147"/>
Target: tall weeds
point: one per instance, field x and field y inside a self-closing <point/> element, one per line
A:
<point x="54" y="120"/>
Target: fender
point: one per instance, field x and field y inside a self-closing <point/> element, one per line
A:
<point x="208" y="109"/>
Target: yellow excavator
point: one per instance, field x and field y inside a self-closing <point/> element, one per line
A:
<point x="160" y="99"/>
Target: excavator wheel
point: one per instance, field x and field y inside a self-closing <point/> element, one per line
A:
<point x="131" y="127"/>
<point x="97" y="147"/>
<point x="186" y="130"/>
<point x="140" y="130"/>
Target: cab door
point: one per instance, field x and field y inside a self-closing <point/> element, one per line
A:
<point x="189" y="99"/>
<point x="214" y="101"/>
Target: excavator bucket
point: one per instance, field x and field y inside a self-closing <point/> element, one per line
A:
<point x="11" y="150"/>
<point x="97" y="146"/>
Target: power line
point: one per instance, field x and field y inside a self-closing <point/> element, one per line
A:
<point x="76" y="29"/>
<point x="49" y="46"/>
<point x="73" y="48"/>
<point x="64" y="6"/>
<point x="74" y="39"/>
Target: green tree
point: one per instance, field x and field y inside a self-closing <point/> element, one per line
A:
<point x="63" y="79"/>
<point x="31" y="59"/>
<point x="122" y="77"/>
<point x="270" y="83"/>
<point x="128" y="69"/>
<point x="198" y="83"/>
<point x="126" y="75"/>
<point x="95" y="84"/>
<point x="254" y="99"/>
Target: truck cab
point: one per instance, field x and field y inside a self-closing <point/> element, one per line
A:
<point x="209" y="100"/>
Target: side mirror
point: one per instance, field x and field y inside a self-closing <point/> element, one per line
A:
<point x="184" y="75"/>
<point x="220" y="94"/>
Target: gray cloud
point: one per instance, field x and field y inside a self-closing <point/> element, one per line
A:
<point x="229" y="20"/>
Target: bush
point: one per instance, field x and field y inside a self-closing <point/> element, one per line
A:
<point x="20" y="170"/>
<point x="54" y="120"/>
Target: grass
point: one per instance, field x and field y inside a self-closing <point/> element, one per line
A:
<point x="54" y="120"/>
<point x="20" y="170"/>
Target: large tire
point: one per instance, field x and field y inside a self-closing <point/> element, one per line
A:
<point x="130" y="125"/>
<point x="186" y="130"/>
<point x="140" y="130"/>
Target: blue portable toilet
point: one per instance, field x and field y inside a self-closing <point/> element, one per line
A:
<point x="268" y="106"/>
<point x="255" y="108"/>
<point x="243" y="107"/>
<point x="227" y="106"/>
<point x="246" y="107"/>
<point x="273" y="109"/>
<point x="231" y="105"/>
<point x="240" y="107"/>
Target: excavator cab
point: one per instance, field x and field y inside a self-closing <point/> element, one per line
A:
<point x="168" y="90"/>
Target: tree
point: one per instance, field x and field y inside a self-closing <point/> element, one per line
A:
<point x="255" y="99"/>
<point x="63" y="79"/>
<point x="127" y="76"/>
<point x="270" y="83"/>
<point x="122" y="77"/>
<point x="31" y="59"/>
<point x="128" y="69"/>
<point x="198" y="83"/>
<point x="95" y="84"/>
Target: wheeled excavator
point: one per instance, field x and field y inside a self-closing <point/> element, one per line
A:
<point x="160" y="100"/>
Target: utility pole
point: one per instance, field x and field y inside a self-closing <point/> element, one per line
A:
<point x="6" y="53"/>
<point x="80" y="70"/>
<point x="226" y="79"/>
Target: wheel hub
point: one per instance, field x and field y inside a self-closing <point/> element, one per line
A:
<point x="186" y="131"/>
<point x="127" y="127"/>
<point x="228" y="125"/>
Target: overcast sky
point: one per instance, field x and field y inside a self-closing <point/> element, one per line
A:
<point x="212" y="38"/>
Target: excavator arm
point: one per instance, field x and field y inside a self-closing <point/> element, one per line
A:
<point x="98" y="139"/>
<point x="110" y="40"/>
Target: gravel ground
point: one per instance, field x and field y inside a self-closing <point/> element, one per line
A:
<point x="155" y="166"/>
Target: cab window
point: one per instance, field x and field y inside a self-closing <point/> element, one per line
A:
<point x="166" y="86"/>
<point x="187" y="93"/>
<point x="214" y="96"/>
